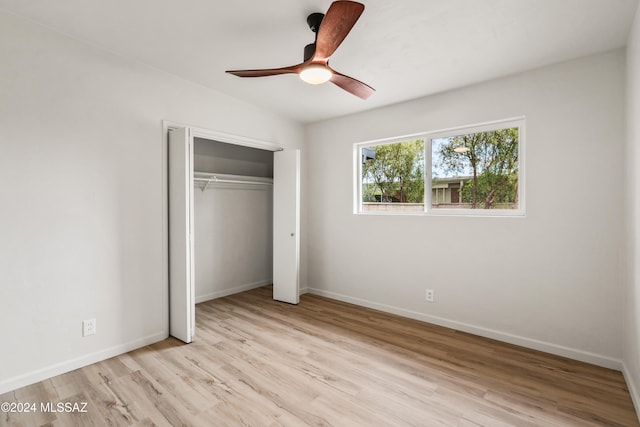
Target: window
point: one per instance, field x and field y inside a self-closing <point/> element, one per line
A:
<point x="393" y="176"/>
<point x="473" y="171"/>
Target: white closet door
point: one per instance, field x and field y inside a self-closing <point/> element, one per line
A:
<point x="181" y="259"/>
<point x="286" y="226"/>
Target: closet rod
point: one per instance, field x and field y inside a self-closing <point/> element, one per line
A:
<point x="214" y="179"/>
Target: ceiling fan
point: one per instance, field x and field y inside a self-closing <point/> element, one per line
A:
<point x="330" y="29"/>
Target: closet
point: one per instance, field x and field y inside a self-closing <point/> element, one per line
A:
<point x="233" y="216"/>
<point x="233" y="220"/>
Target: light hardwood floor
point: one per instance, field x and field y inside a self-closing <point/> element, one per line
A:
<point x="256" y="362"/>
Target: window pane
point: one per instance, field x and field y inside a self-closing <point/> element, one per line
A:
<point x="393" y="177"/>
<point x="475" y="171"/>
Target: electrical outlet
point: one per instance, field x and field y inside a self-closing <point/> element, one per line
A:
<point x="429" y="296"/>
<point x="88" y="327"/>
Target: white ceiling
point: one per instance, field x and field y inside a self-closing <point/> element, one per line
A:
<point x="405" y="49"/>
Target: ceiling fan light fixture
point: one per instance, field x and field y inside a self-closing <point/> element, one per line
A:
<point x="316" y="74"/>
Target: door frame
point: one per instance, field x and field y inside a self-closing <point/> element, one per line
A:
<point x="196" y="132"/>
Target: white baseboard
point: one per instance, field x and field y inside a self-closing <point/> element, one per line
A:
<point x="580" y="355"/>
<point x="634" y="391"/>
<point x="70" y="365"/>
<point x="231" y="291"/>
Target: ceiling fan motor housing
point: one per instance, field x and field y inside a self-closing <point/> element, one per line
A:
<point x="309" y="50"/>
<point x="314" y="20"/>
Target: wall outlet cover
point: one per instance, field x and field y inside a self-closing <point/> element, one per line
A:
<point x="88" y="327"/>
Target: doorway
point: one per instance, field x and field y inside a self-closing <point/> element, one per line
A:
<point x="251" y="170"/>
<point x="233" y="218"/>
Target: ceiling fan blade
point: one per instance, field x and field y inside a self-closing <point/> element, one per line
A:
<point x="351" y="85"/>
<point x="337" y="22"/>
<point x="294" y="69"/>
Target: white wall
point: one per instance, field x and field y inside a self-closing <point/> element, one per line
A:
<point x="233" y="239"/>
<point x="551" y="280"/>
<point x="632" y="320"/>
<point x="81" y="186"/>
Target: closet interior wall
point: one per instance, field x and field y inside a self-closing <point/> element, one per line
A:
<point x="233" y="220"/>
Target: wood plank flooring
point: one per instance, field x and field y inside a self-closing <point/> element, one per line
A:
<point x="256" y="362"/>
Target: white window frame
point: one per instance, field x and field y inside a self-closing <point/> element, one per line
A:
<point x="428" y="137"/>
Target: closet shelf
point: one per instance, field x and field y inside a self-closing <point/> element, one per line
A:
<point x="207" y="178"/>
